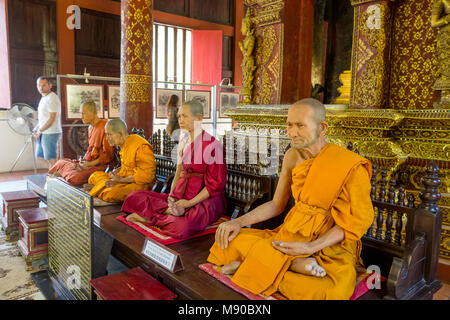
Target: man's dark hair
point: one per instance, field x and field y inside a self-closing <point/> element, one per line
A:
<point x="44" y="78"/>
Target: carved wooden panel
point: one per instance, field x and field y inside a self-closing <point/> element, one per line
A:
<point x="180" y="7"/>
<point x="218" y="11"/>
<point x="33" y="50"/>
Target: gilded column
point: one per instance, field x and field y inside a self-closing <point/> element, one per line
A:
<point x="283" y="50"/>
<point x="136" y="64"/>
<point x="370" y="57"/>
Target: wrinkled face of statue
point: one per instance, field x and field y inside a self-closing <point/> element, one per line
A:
<point x="301" y="127"/>
<point x="114" y="138"/>
<point x="87" y="115"/>
<point x="185" y="118"/>
<point x="44" y="87"/>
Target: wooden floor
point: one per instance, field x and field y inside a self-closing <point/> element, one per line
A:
<point x="442" y="294"/>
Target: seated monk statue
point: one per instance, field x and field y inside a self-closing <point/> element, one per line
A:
<point x="196" y="196"/>
<point x="98" y="154"/>
<point x="136" y="171"/>
<point x="315" y="252"/>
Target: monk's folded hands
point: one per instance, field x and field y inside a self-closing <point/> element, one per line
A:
<point x="294" y="248"/>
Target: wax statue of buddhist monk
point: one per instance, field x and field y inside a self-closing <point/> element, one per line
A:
<point x="314" y="253"/>
<point x="137" y="167"/>
<point x="98" y="155"/>
<point x="197" y="196"/>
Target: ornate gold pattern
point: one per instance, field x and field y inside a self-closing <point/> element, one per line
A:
<point x="441" y="19"/>
<point x="269" y="64"/>
<point x="445" y="243"/>
<point x="344" y="90"/>
<point x="413" y="62"/>
<point x="370" y="58"/>
<point x="137" y="41"/>
<point x="136" y="88"/>
<point x="248" y="61"/>
<point x="266" y="11"/>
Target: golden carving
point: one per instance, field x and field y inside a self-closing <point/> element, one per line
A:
<point x="269" y="65"/>
<point x="440" y="19"/>
<point x="413" y="61"/>
<point x="135" y="88"/>
<point x="370" y="52"/>
<point x="266" y="11"/>
<point x="136" y="82"/>
<point x="344" y="90"/>
<point x="248" y="61"/>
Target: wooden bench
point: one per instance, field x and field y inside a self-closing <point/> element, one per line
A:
<point x="403" y="240"/>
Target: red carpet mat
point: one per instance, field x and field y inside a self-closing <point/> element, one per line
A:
<point x="362" y="284"/>
<point x="156" y="234"/>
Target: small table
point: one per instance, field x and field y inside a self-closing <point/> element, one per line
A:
<point x="13" y="201"/>
<point x="133" y="284"/>
<point x="33" y="235"/>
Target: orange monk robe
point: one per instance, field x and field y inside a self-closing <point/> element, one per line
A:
<point x="99" y="148"/>
<point x="332" y="188"/>
<point x="137" y="160"/>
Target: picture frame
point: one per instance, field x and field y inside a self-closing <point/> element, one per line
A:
<point x="76" y="94"/>
<point x="204" y="97"/>
<point x="162" y="96"/>
<point x="227" y="101"/>
<point x="113" y="101"/>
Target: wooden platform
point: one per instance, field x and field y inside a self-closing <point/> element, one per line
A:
<point x="191" y="283"/>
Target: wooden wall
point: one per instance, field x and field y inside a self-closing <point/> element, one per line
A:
<point x="33" y="49"/>
<point x="97" y="44"/>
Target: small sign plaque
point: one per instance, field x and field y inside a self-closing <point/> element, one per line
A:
<point x="162" y="255"/>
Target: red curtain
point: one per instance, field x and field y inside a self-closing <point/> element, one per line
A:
<point x="207" y="57"/>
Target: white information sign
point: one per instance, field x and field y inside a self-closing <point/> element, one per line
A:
<point x="162" y="255"/>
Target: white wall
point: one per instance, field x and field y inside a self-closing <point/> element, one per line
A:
<point x="10" y="145"/>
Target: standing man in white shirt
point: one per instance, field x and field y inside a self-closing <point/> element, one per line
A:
<point x="48" y="131"/>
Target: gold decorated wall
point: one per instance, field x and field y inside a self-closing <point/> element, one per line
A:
<point x="414" y="61"/>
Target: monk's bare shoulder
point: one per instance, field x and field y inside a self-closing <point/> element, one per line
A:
<point x="292" y="158"/>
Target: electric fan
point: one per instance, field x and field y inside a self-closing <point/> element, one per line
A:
<point x="22" y="119"/>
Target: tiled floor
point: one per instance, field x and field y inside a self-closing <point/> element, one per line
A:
<point x="15" y="181"/>
<point x="18" y="175"/>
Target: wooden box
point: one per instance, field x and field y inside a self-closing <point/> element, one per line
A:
<point x="133" y="284"/>
<point x="33" y="234"/>
<point x="13" y="201"/>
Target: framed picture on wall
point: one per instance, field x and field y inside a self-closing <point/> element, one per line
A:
<point x="227" y="101"/>
<point x="162" y="97"/>
<point x="204" y="97"/>
<point x="76" y="94"/>
<point x="114" y="101"/>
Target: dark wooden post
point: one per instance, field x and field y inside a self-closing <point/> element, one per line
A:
<point x="136" y="65"/>
<point x="429" y="220"/>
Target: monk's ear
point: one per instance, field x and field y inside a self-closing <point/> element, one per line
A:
<point x="198" y="117"/>
<point x="323" y="128"/>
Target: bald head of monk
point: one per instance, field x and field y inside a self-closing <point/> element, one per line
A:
<point x="89" y="113"/>
<point x="116" y="132"/>
<point x="306" y="125"/>
<point x="190" y="114"/>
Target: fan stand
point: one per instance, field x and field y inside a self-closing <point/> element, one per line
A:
<point x="30" y="140"/>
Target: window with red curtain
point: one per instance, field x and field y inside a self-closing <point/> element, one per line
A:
<point x="5" y="79"/>
<point x="207" y="57"/>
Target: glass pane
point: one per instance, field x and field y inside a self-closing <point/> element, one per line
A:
<point x="188" y="57"/>
<point x="161" y="55"/>
<point x="170" y="56"/>
<point x="180" y="60"/>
